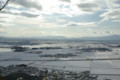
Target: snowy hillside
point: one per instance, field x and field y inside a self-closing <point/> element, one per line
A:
<point x="67" y="56"/>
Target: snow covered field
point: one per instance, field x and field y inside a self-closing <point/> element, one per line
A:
<point x="42" y="58"/>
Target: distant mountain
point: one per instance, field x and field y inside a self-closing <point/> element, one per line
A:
<point x="33" y="38"/>
<point x="52" y="37"/>
<point x="111" y="37"/>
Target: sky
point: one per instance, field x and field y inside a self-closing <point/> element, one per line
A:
<point x="68" y="18"/>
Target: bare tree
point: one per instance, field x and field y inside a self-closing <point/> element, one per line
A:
<point x="3" y="4"/>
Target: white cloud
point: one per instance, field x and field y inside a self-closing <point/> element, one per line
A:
<point x="57" y="17"/>
<point x="116" y="21"/>
<point x="112" y="11"/>
<point x="88" y="7"/>
<point x="66" y="0"/>
<point x="88" y="24"/>
<point x="28" y="4"/>
<point x="2" y="30"/>
<point x="111" y="14"/>
<point x="6" y="20"/>
<point x="22" y="32"/>
<point x="18" y="13"/>
<point x="61" y="21"/>
<point x="71" y="8"/>
<point x="111" y="4"/>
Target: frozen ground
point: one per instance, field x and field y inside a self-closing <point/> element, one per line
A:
<point x="8" y="57"/>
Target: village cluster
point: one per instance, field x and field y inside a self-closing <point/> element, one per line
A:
<point x="44" y="74"/>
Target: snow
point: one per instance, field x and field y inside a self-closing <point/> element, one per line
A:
<point x="8" y="57"/>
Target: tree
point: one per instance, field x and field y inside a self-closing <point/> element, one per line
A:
<point x="3" y="4"/>
<point x="19" y="48"/>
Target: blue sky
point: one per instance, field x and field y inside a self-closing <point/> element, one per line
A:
<point x="69" y="18"/>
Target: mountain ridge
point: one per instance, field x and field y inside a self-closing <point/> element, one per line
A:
<point x="110" y="37"/>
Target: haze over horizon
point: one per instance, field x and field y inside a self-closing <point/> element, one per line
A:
<point x="68" y="18"/>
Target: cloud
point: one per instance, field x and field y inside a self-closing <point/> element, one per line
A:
<point x="2" y="21"/>
<point x="89" y="7"/>
<point x="28" y="4"/>
<point x="59" y="21"/>
<point x="25" y="14"/>
<point x="21" y="32"/>
<point x="6" y="20"/>
<point x="112" y="4"/>
<point x="111" y="14"/>
<point x="112" y="11"/>
<point x="72" y="24"/>
<point x="66" y="0"/>
<point x="116" y="21"/>
<point x="107" y="32"/>
<point x="60" y="17"/>
<point x="28" y="14"/>
<point x="81" y="24"/>
<point x="2" y="31"/>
